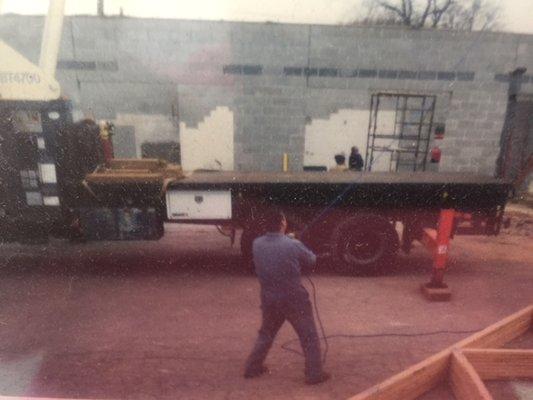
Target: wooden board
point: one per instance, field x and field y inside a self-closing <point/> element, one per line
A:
<point x="114" y="178"/>
<point x="422" y="377"/>
<point x="502" y="332"/>
<point x="411" y="383"/>
<point x="464" y="380"/>
<point x="135" y="163"/>
<point x="142" y="171"/>
<point x="501" y="363"/>
<point x="436" y="294"/>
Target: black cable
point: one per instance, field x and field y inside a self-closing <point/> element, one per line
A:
<point x="324" y="336"/>
<point x="285" y="346"/>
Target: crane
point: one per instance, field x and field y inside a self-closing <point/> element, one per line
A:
<point x="32" y="114"/>
<point x="20" y="79"/>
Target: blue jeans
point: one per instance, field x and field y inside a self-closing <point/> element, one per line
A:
<point x="299" y="313"/>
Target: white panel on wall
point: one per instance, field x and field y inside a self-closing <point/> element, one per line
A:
<point x="210" y="145"/>
<point x="326" y="137"/>
<point x="346" y="128"/>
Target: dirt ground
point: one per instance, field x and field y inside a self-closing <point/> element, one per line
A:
<point x="177" y="317"/>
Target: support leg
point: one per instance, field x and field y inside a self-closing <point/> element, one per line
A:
<point x="436" y="289"/>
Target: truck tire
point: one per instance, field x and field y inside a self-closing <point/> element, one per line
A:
<point x="364" y="244"/>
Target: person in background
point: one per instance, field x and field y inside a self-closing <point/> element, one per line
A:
<point x="355" y="161"/>
<point x="340" y="160"/>
<point x="279" y="262"/>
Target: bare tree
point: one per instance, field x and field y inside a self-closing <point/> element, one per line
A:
<point x="478" y="15"/>
<point x="452" y="14"/>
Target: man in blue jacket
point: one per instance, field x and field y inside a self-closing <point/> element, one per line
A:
<point x="279" y="261"/>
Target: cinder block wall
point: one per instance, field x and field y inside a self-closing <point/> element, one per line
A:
<point x="278" y="78"/>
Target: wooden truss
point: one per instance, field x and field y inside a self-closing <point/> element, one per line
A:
<point x="465" y="365"/>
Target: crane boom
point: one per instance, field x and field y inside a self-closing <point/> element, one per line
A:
<point x="51" y="40"/>
<point x="20" y="79"/>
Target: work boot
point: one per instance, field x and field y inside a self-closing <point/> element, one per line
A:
<point x="256" y="373"/>
<point x="319" y="379"/>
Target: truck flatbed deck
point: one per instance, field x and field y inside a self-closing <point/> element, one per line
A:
<point x="337" y="177"/>
<point x="361" y="189"/>
<point x="351" y="215"/>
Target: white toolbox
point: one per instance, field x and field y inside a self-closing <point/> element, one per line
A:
<point x="199" y="204"/>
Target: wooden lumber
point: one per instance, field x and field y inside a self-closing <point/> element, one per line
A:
<point x="130" y="171"/>
<point x="422" y="377"/>
<point x="136" y="163"/>
<point x="142" y="171"/>
<point x="436" y="293"/>
<point x="502" y="332"/>
<point x="113" y="178"/>
<point x="411" y="383"/>
<point x="465" y="381"/>
<point x="501" y="363"/>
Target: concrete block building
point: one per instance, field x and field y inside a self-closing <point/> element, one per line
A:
<point x="237" y="96"/>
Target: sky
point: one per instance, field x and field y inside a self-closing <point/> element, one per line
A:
<point x="517" y="14"/>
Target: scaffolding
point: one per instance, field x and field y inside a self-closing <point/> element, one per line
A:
<point x="399" y="142"/>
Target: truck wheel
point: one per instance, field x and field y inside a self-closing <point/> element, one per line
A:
<point x="364" y="244"/>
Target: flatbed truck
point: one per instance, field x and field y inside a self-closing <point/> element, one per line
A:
<point x="361" y="219"/>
